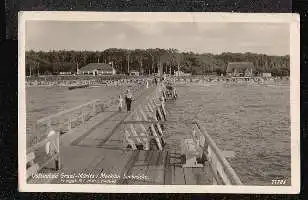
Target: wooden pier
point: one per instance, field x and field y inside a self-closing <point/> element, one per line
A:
<point x="131" y="148"/>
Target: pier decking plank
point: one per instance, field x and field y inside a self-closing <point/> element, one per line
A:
<point x="151" y="155"/>
<point x="172" y="163"/>
<point x="156" y="171"/>
<point x="189" y="176"/>
<point x="121" y="162"/>
<point x="76" y="157"/>
<point x="203" y="175"/>
<point x="160" y="170"/>
<point x="151" y="167"/>
<point x="101" y="134"/>
<point x="128" y="167"/>
<point x="179" y="178"/>
<point x="140" y="168"/>
<point x="169" y="170"/>
<point x="114" y="164"/>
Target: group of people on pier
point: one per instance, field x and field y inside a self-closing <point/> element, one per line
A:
<point x="165" y="91"/>
<point x="128" y="100"/>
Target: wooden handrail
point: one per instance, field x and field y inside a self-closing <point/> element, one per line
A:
<point x="155" y="122"/>
<point x="150" y="137"/>
<point x="35" y="167"/>
<point x="66" y="111"/>
<point x="225" y="164"/>
<point x="43" y="142"/>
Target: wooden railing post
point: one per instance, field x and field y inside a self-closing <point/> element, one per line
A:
<point x="150" y="107"/>
<point x="58" y="160"/>
<point x="151" y="103"/>
<point x="144" y="116"/>
<point x="48" y="125"/>
<point x="69" y="123"/>
<point x="164" y="110"/>
<point x="160" y="113"/>
<point x="94" y="108"/>
<point x="143" y="133"/>
<point x="214" y="181"/>
<point x="52" y="145"/>
<point x="82" y="116"/>
<point x="135" y="133"/>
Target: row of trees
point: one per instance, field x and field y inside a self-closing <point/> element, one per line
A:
<point x="150" y="60"/>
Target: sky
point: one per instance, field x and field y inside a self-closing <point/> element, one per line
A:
<point x="199" y="37"/>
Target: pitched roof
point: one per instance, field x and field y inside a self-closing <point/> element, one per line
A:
<point x="97" y="66"/>
<point x="240" y="67"/>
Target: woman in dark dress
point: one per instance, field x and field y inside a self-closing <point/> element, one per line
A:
<point x="128" y="99"/>
<point x="155" y="79"/>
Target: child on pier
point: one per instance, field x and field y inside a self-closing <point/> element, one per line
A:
<point x="120" y="105"/>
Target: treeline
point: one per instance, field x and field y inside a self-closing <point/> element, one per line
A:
<point x="148" y="61"/>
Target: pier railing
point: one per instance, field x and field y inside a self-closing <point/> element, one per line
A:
<point x="223" y="173"/>
<point x="49" y="148"/>
<point x="68" y="119"/>
<point x="65" y="120"/>
<point x="138" y="133"/>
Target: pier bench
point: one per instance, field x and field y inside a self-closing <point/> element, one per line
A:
<point x="193" y="154"/>
<point x="201" y="148"/>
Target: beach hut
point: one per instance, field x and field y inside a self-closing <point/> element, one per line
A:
<point x="240" y="69"/>
<point x="134" y="73"/>
<point x="65" y="73"/>
<point x="266" y="74"/>
<point x="97" y="69"/>
<point x="179" y="73"/>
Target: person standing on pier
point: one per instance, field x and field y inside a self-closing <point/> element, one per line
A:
<point x="128" y="99"/>
<point x="155" y="79"/>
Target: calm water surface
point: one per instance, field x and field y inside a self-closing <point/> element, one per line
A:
<point x="252" y="121"/>
<point x="44" y="101"/>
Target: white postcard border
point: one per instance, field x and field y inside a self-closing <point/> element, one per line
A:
<point x="292" y="19"/>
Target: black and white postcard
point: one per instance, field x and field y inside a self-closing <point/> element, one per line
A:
<point x="159" y="102"/>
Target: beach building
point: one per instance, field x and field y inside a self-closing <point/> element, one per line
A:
<point x="97" y="69"/>
<point x="65" y="73"/>
<point x="134" y="73"/>
<point x="266" y="74"/>
<point x="180" y="73"/>
<point x="240" y="69"/>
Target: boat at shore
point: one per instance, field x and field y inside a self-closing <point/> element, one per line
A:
<point x="78" y="86"/>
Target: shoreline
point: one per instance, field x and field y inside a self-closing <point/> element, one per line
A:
<point x="194" y="82"/>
